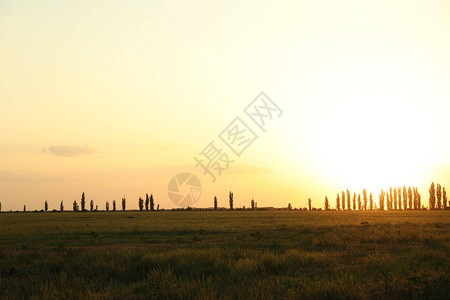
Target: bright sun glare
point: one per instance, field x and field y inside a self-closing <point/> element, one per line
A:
<point x="373" y="128"/>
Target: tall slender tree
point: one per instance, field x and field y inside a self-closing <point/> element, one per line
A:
<point x="46" y="205"/>
<point x="359" y="202"/>
<point x="24" y="208"/>
<point x="365" y="198"/>
<point x="141" y="204"/>
<point x="107" y="206"/>
<point x="410" y="197"/>
<point x="61" y="206"/>
<point x="338" y="202"/>
<point x="395" y="198"/>
<point x="215" y="203"/>
<point x="152" y="203"/>
<point x="327" y="205"/>
<point x="147" y="201"/>
<point x="309" y="204"/>
<point x="444" y="198"/>
<point x="391" y="199"/>
<point x="382" y="200"/>
<point x="432" y="201"/>
<point x="114" y="205"/>
<point x="343" y="200"/>
<point x="0" y="206"/>
<point x="405" y="199"/>
<point x="124" y="203"/>
<point x="439" y="196"/>
<point x="371" y="201"/>
<point x="83" y="202"/>
<point x="230" y="196"/>
<point x="348" y="200"/>
<point x="91" y="205"/>
<point x="399" y="194"/>
<point x="354" y="200"/>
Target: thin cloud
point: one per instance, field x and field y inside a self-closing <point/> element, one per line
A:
<point x="70" y="151"/>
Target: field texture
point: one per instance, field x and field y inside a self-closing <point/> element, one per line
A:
<point x="226" y="254"/>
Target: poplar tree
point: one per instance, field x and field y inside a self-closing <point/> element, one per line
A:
<point x="114" y="205"/>
<point x="338" y="202"/>
<point x="83" y="202"/>
<point x="359" y="201"/>
<point x="107" y="206"/>
<point x="124" y="203"/>
<point x="141" y="204"/>
<point x="215" y="203"/>
<point x="46" y="206"/>
<point x="365" y="198"/>
<point x="230" y="196"/>
<point x="309" y="204"/>
<point x="92" y="205"/>
<point x="395" y="198"/>
<point x="432" y="201"/>
<point x="61" y="206"/>
<point x="343" y="200"/>
<point x="371" y="201"/>
<point x="405" y="199"/>
<point x="152" y="203"/>
<point x="354" y="200"/>
<point x="348" y="200"/>
<point x="147" y="201"/>
<point x="410" y="198"/>
<point x="382" y="200"/>
<point x="444" y="197"/>
<point x="327" y="207"/>
<point x="439" y="196"/>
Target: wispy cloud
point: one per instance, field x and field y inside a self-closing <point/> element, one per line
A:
<point x="70" y="151"/>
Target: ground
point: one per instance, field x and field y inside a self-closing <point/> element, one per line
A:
<point x="226" y="254"/>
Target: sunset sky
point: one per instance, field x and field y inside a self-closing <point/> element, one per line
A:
<point x="114" y="98"/>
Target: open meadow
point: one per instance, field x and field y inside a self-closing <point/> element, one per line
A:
<point x="226" y="254"/>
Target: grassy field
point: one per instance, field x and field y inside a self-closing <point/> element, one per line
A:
<point x="226" y="254"/>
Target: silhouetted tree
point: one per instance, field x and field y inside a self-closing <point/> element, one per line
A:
<point x="141" y="204"/>
<point x="327" y="206"/>
<point x="432" y="201"/>
<point x="399" y="194"/>
<point x="83" y="202"/>
<point x="124" y="203"/>
<point x="91" y="205"/>
<point x="309" y="204"/>
<point x="0" y="206"/>
<point x="405" y="199"/>
<point x="365" y="198"/>
<point x="152" y="203"/>
<point x="75" y="205"/>
<point x="107" y="206"/>
<point x="46" y="205"/>
<point x="439" y="196"/>
<point x="382" y="195"/>
<point x="410" y="197"/>
<point x="114" y="205"/>
<point x="215" y="203"/>
<point x="338" y="202"/>
<point x="253" y="204"/>
<point x="24" y="208"/>
<point x="61" y="206"/>
<point x="343" y="200"/>
<point x="147" y="201"/>
<point x="391" y="199"/>
<point x="359" y="201"/>
<point x="348" y="200"/>
<point x="289" y="206"/>
<point x="157" y="208"/>
<point x="231" y="200"/>
<point x="444" y="197"/>
<point x="395" y="198"/>
<point x="370" y="201"/>
<point x="354" y="201"/>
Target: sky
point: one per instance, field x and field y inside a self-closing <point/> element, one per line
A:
<point x="115" y="98"/>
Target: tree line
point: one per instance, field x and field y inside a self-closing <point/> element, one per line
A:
<point x="394" y="198"/>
